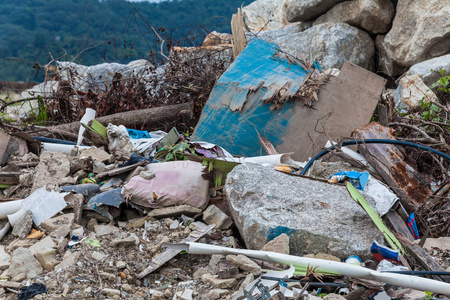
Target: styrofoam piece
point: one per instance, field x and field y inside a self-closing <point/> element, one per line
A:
<point x="323" y="266"/>
<point x="51" y="147"/>
<point x="88" y="116"/>
<point x="10" y="207"/>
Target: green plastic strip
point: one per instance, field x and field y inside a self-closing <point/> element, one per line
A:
<point x="391" y="239"/>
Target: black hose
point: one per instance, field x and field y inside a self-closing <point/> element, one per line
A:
<point x="375" y="141"/>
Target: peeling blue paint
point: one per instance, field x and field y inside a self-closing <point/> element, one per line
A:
<point x="235" y="110"/>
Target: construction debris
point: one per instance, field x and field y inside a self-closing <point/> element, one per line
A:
<point x="110" y="205"/>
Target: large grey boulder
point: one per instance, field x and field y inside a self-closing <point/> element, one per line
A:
<point x="420" y="31"/>
<point x="317" y="217"/>
<point x="265" y="15"/>
<point x="303" y="10"/>
<point x="272" y="34"/>
<point x="331" y="44"/>
<point x="374" y="16"/>
<point x="436" y="64"/>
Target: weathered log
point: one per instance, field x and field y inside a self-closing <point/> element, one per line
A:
<point x="146" y="116"/>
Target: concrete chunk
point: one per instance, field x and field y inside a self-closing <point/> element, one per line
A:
<point x="317" y="217"/>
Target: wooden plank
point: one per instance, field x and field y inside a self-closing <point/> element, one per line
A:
<point x="411" y="186"/>
<point x="345" y="103"/>
<point x="426" y="261"/>
<point x="396" y="222"/>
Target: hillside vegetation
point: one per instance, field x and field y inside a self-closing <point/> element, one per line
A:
<point x="109" y="30"/>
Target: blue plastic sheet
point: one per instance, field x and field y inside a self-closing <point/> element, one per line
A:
<point x="235" y="110"/>
<point x="138" y="134"/>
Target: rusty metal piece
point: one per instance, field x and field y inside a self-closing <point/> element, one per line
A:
<point x="412" y="187"/>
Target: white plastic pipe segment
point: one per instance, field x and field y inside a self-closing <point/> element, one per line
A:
<point x="7" y="208"/>
<point x="324" y="266"/>
<point x="88" y="116"/>
<point x="13" y="218"/>
<point x="274" y="160"/>
<point x="52" y="147"/>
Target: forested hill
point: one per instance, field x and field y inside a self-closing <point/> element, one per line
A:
<point x="95" y="31"/>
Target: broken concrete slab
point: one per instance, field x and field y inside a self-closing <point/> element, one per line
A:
<point x="23" y="226"/>
<point x="5" y="259"/>
<point x="413" y="91"/>
<point x="59" y="226"/>
<point x="213" y="215"/>
<point x="105" y="229"/>
<point x="174" y="211"/>
<point x="244" y="263"/>
<point x="97" y="154"/>
<point x="53" y="168"/>
<point x="23" y="261"/>
<point x="442" y="243"/>
<point x="280" y="244"/>
<point x="218" y="283"/>
<point x="317" y="217"/>
<point x="69" y="260"/>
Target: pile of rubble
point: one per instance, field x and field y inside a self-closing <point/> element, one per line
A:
<point x="338" y="207"/>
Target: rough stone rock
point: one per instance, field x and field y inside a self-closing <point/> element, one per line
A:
<point x="157" y="295"/>
<point x="23" y="226"/>
<point x="420" y="31"/>
<point x="272" y="34"/>
<point x="25" y="243"/>
<point x="127" y="288"/>
<point x="5" y="259"/>
<point x="219" y="283"/>
<point x="199" y="273"/>
<point x="23" y="261"/>
<point x="323" y="256"/>
<point x="331" y="44"/>
<point x="215" y="38"/>
<point x="19" y="278"/>
<point x="59" y="226"/>
<point x="244" y="263"/>
<point x="98" y="167"/>
<point x="413" y="90"/>
<point x="332" y="296"/>
<point x="98" y="256"/>
<point x="45" y="252"/>
<point x="52" y="169"/>
<point x="436" y="64"/>
<point x="47" y="257"/>
<point x="213" y="215"/>
<point x="374" y="16"/>
<point x="213" y="264"/>
<point x="110" y="292"/>
<point x="10" y="284"/>
<point x="442" y="243"/>
<point x="215" y="294"/>
<point x="130" y="241"/>
<point x="307" y="9"/>
<point x="105" y="229"/>
<point x="69" y="260"/>
<point x="317" y="217"/>
<point x="280" y="244"/>
<point x="174" y="211"/>
<point x="264" y="15"/>
<point x="97" y="154"/>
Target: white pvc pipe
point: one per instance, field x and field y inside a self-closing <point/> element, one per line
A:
<point x="88" y="116"/>
<point x="52" y="147"/>
<point x="10" y="207"/>
<point x="13" y="218"/>
<point x="323" y="266"/>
